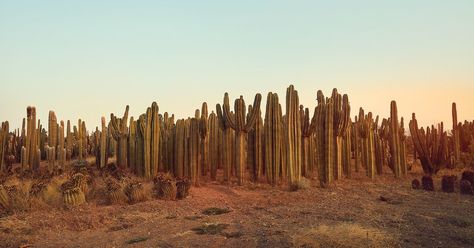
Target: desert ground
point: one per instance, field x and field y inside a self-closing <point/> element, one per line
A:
<point x="357" y="212"/>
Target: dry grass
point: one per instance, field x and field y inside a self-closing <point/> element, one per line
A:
<point x="343" y="235"/>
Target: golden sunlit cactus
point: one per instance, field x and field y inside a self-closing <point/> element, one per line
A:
<point x="293" y="136"/>
<point x="273" y="136"/>
<point x="3" y="140"/>
<point x="239" y="123"/>
<point x="455" y="134"/>
<point x="119" y="130"/>
<point x="204" y="140"/>
<point x="213" y="144"/>
<point x="431" y="146"/>
<point x="255" y="146"/>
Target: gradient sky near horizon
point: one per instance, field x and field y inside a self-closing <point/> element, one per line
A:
<point x="86" y="59"/>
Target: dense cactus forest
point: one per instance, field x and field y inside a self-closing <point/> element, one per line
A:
<point x="278" y="145"/>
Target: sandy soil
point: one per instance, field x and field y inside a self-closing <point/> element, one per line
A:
<point x="348" y="214"/>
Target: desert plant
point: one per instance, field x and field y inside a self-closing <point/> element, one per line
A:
<point x="427" y="183"/>
<point x="466" y="187"/>
<point x="415" y="184"/>
<point x="430" y="146"/>
<point x="448" y="182"/>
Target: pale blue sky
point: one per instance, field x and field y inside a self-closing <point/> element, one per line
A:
<point x="85" y="59"/>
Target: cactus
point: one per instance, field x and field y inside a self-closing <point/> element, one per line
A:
<point x="396" y="145"/>
<point x="32" y="157"/>
<point x="204" y="140"/>
<point x="69" y="141"/>
<point x="366" y="131"/>
<point x="155" y="141"/>
<point x="51" y="158"/>
<point x="255" y="145"/>
<point x="52" y="130"/>
<point x="340" y="124"/>
<point x="179" y="148"/>
<point x="455" y="134"/>
<point x="293" y="136"/>
<point x="3" y="140"/>
<point x="307" y="129"/>
<point x="273" y="135"/>
<point x="61" y="151"/>
<point x="118" y="129"/>
<point x="103" y="144"/>
<point x="193" y="169"/>
<point x="325" y="138"/>
<point x="430" y="146"/>
<point x="213" y="144"/>
<point x="241" y="126"/>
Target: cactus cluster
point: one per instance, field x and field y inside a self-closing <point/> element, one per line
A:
<point x="239" y="144"/>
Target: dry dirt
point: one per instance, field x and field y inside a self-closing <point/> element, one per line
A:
<point x="348" y="214"/>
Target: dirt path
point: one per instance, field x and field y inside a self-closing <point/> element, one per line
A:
<point x="349" y="214"/>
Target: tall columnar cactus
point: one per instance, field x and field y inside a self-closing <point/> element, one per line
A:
<point x="403" y="150"/>
<point x="346" y="150"/>
<point x="51" y="158"/>
<point x="3" y="140"/>
<point x="80" y="139"/>
<point x="69" y="141"/>
<point x="307" y="129"/>
<point x="204" y="140"/>
<point x="395" y="144"/>
<point x="366" y="130"/>
<point x="119" y="130"/>
<point x="255" y="145"/>
<point x="356" y="143"/>
<point x="241" y="126"/>
<point x="61" y="151"/>
<point x="103" y="144"/>
<point x="166" y="142"/>
<point x="432" y="146"/>
<point x="293" y="136"/>
<point x="155" y="140"/>
<point x="325" y="138"/>
<point x="193" y="169"/>
<point x="341" y="122"/>
<point x="226" y="147"/>
<point x="179" y="148"/>
<point x="455" y="133"/>
<point x="273" y="136"/>
<point x="52" y="129"/>
<point x="213" y="144"/>
<point x="32" y="141"/>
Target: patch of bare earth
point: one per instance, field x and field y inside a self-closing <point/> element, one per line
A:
<point x="356" y="212"/>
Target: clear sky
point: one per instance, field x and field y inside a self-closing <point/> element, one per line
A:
<point x="86" y="59"/>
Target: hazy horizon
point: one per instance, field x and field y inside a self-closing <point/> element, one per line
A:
<point x="90" y="59"/>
